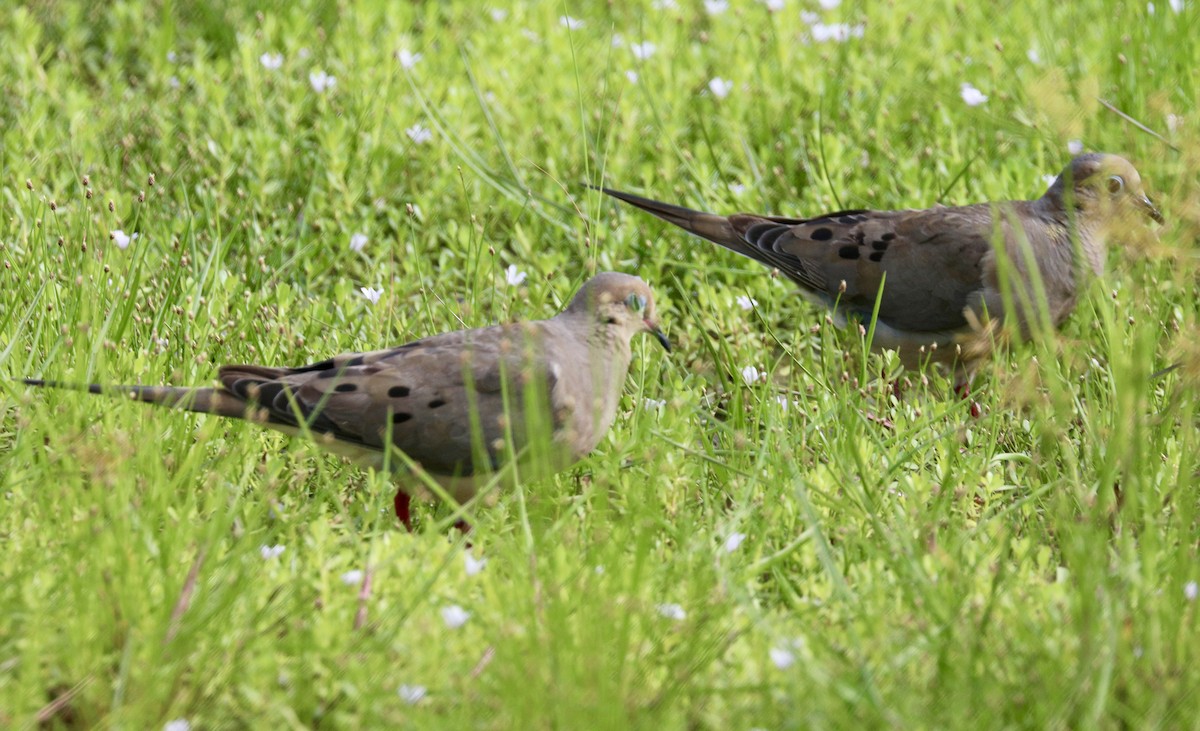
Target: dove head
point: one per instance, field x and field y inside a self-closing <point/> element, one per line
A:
<point x="620" y="302"/>
<point x="1104" y="185"/>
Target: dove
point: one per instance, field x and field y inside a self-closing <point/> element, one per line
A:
<point x="939" y="268"/>
<point x="449" y="402"/>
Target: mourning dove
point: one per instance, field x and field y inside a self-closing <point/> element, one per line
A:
<point x="442" y="400"/>
<point x="941" y="266"/>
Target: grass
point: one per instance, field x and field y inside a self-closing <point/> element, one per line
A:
<point x="903" y="564"/>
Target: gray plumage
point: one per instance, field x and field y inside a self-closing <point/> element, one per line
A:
<point x="941" y="264"/>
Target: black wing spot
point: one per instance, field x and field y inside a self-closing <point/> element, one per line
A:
<point x="876" y="256"/>
<point x="825" y="234"/>
<point x="879" y="245"/>
<point x="436" y="403"/>
<point x="400" y="417"/>
<point x="324" y="365"/>
<point x="888" y="236"/>
<point x="398" y="391"/>
<point x="346" y="387"/>
<point x="847" y="252"/>
<point x="355" y="361"/>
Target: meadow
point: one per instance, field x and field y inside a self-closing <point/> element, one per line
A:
<point x="770" y="537"/>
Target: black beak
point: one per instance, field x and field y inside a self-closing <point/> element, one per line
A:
<point x="1147" y="205"/>
<point x="658" y="335"/>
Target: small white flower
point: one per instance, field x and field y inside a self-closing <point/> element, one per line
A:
<point x="515" y="277"/>
<point x="782" y="657"/>
<point x="353" y="577"/>
<point x="715" y="7"/>
<point x="371" y="294"/>
<point x="412" y="694"/>
<point x="653" y="404"/>
<point x="783" y="402"/>
<point x="599" y="570"/>
<point x="734" y="542"/>
<point x="829" y="4"/>
<point x="358" y="242"/>
<point x="1033" y="55"/>
<point x="418" y="134"/>
<point x="747" y="303"/>
<point x="270" y="552"/>
<point x="644" y="50"/>
<point x="120" y="238"/>
<point x="737" y="188"/>
<point x="499" y="14"/>
<point x="665" y="5"/>
<point x="672" y="611"/>
<point x="570" y="23"/>
<point x="1138" y="651"/>
<point x="1176" y="5"/>
<point x="809" y="18"/>
<point x="473" y="565"/>
<point x="774" y="6"/>
<point x="304" y="53"/>
<point x="1173" y="123"/>
<point x="837" y="32"/>
<point x="531" y="36"/>
<point x="1191" y="591"/>
<point x="632" y="76"/>
<point x="172" y="56"/>
<point x="271" y="61"/>
<point x="179" y="724"/>
<point x="1074" y="147"/>
<point x="750" y="375"/>
<point x="972" y="96"/>
<point x="407" y="58"/>
<point x="720" y="88"/>
<point x="173" y="82"/>
<point x="1150" y="8"/>
<point x="321" y="81"/>
<point x="618" y="40"/>
<point x="1048" y="179"/>
<point x="455" y="616"/>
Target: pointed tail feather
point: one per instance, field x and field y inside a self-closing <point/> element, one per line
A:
<point x="716" y="229"/>
<point x="200" y="400"/>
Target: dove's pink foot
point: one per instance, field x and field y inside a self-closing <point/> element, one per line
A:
<point x="403" y="504"/>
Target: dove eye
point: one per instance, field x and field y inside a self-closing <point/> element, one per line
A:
<point x="1116" y="184"/>
<point x="635" y="302"/>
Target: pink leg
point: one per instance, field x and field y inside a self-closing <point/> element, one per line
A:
<point x="403" y="504"/>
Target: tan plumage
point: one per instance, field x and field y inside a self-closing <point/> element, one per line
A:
<point x="442" y="400"/>
<point x="941" y="266"/>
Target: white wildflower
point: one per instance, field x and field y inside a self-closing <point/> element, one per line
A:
<point x="1048" y="179"/>
<point x="418" y="134"/>
<point x="499" y="14"/>
<point x="653" y="404"/>
<point x="321" y="81"/>
<point x="829" y="4"/>
<point x="720" y="88"/>
<point x="734" y="542"/>
<point x="514" y="276"/>
<point x="837" y="32"/>
<point x="304" y="53"/>
<point x="716" y="7"/>
<point x="371" y="294"/>
<point x="665" y="5"/>
<point x="972" y="96"/>
<point x="809" y="18"/>
<point x="1033" y="55"/>
<point x="270" y="552"/>
<point x="353" y="577"/>
<point x="271" y="61"/>
<point x="737" y="188"/>
<point x="407" y="58"/>
<point x="746" y="303"/>
<point x="774" y="6"/>
<point x="1177" y="6"/>
<point x="358" y="242"/>
<point x="178" y="724"/>
<point x="642" y="51"/>
<point x="751" y="375"/>
<point x="1150" y="8"/>
<point x="473" y="565"/>
<point x="1173" y="123"/>
<point x="672" y="611"/>
<point x="120" y="238"/>
<point x="1075" y="147"/>
<point x="412" y="694"/>
<point x="782" y="657"/>
<point x="618" y="40"/>
<point x="632" y="76"/>
<point x="570" y="23"/>
<point x="1191" y="591"/>
<point x="455" y="616"/>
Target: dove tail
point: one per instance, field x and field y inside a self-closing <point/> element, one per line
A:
<point x="201" y="400"/>
<point x="716" y="229"/>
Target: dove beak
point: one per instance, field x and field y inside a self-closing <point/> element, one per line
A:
<point x="1143" y="201"/>
<point x="658" y="334"/>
